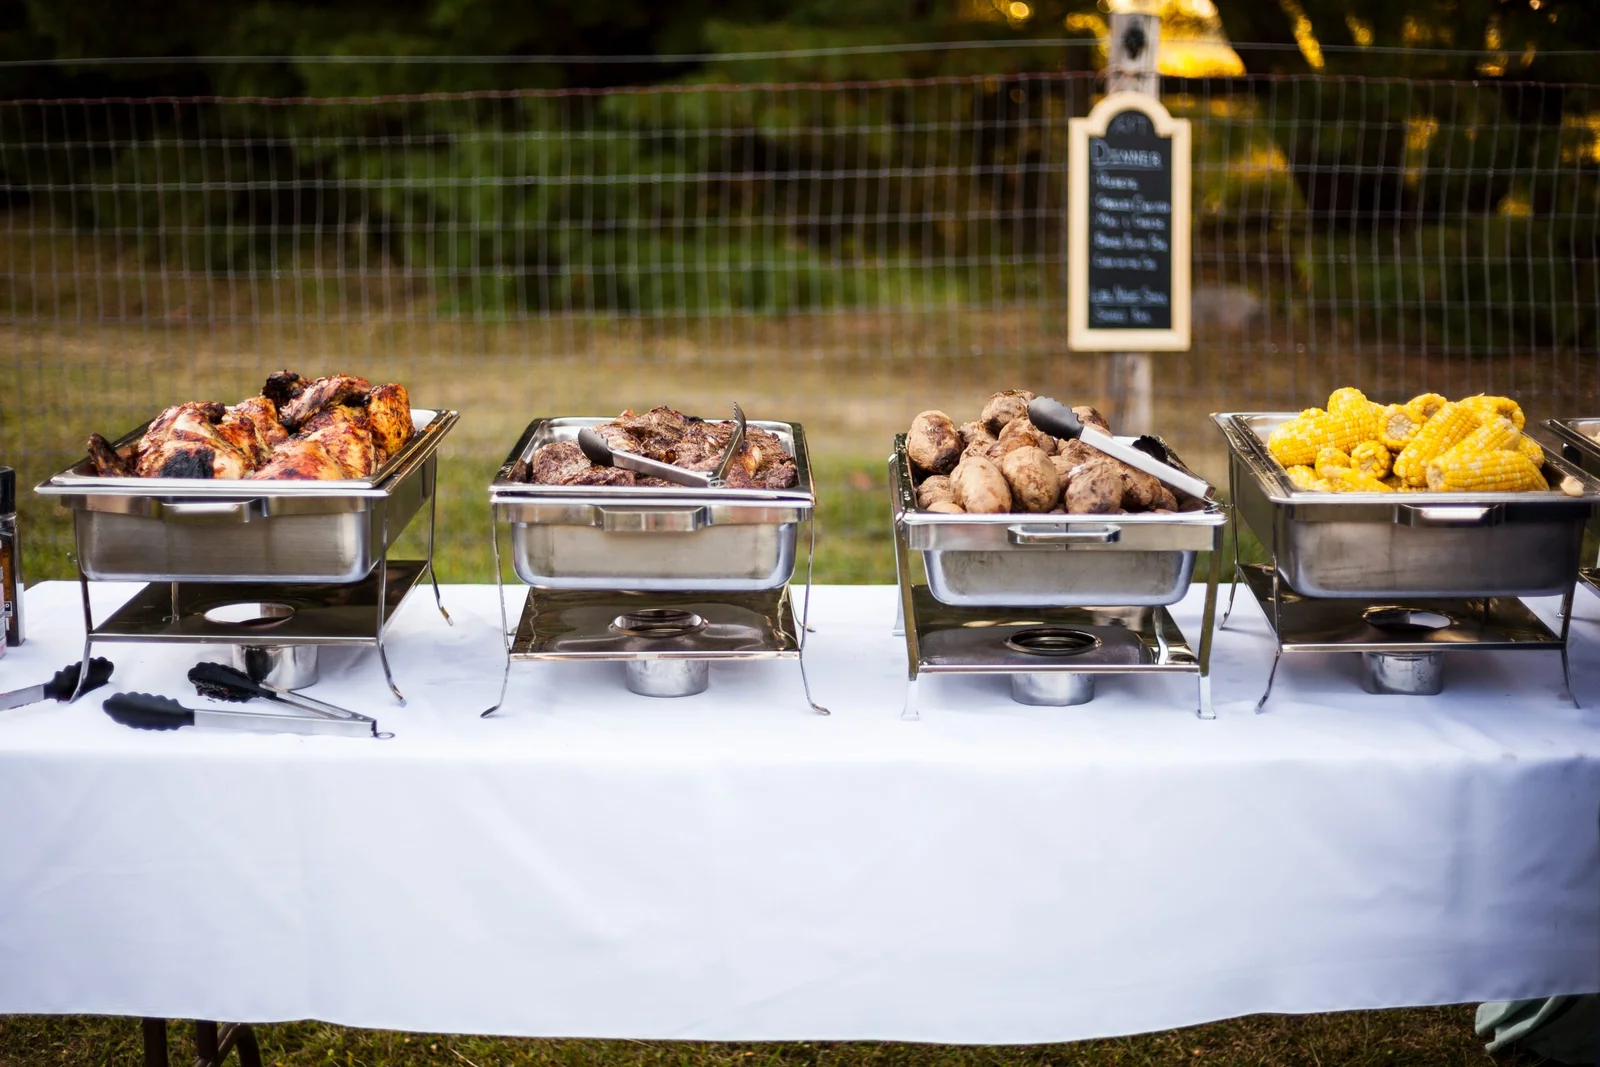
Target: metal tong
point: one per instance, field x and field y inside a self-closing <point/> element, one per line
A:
<point x="602" y="454"/>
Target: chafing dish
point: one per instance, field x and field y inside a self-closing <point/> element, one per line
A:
<point x="238" y="529"/>
<point x="650" y="539"/>
<point x="1050" y="600"/>
<point x="1341" y="564"/>
<point x="1364" y="545"/>
<point x="1014" y="560"/>
<point x="715" y="561"/>
<point x="1578" y="445"/>
<point x="306" y="558"/>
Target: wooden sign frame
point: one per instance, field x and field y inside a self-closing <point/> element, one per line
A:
<point x="1080" y="335"/>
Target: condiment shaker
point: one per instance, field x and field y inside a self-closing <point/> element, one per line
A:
<point x="10" y="559"/>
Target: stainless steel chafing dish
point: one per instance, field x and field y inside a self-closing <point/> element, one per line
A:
<point x="650" y="539"/>
<point x="1049" y="600"/>
<point x="1579" y="445"/>
<point x="1366" y="545"/>
<point x="1014" y="560"/>
<point x="664" y="580"/>
<point x="1403" y="578"/>
<point x="238" y="529"/>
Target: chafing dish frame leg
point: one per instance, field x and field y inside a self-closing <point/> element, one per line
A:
<point x="383" y="600"/>
<point x="1566" y="628"/>
<point x="906" y="616"/>
<point x="500" y="598"/>
<point x="802" y="639"/>
<point x="1277" y="625"/>
<point x="1234" y="519"/>
<point x="433" y="522"/>
<point x="88" y="619"/>
<point x="1208" y="615"/>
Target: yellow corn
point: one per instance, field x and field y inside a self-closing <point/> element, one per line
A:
<point x="1332" y="459"/>
<point x="1370" y="457"/>
<point x="1302" y="477"/>
<point x="1497" y="433"/>
<point x="1349" y="396"/>
<point x="1354" y="481"/>
<point x="1497" y="471"/>
<point x="1487" y="407"/>
<point x="1530" y="448"/>
<point x="1449" y="425"/>
<point x="1394" y="481"/>
<point x="1424" y="407"/>
<point x="1297" y="442"/>
<point x="1396" y="427"/>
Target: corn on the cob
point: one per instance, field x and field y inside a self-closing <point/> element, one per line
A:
<point x="1487" y="407"/>
<point x="1449" y="425"/>
<point x="1497" y="471"/>
<point x="1531" y="448"/>
<point x="1331" y="459"/>
<point x="1349" y="396"/>
<point x="1496" y="433"/>
<point x="1396" y="427"/>
<point x="1302" y="477"/>
<point x="1394" y="481"/>
<point x="1370" y="457"/>
<point x="1297" y="442"/>
<point x="1353" y="481"/>
<point x="1425" y="406"/>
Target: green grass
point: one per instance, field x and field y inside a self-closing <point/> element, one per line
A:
<point x="1421" y="1037"/>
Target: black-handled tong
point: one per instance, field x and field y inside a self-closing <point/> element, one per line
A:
<point x="62" y="686"/>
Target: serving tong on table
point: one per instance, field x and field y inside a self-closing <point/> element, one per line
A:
<point x="219" y="681"/>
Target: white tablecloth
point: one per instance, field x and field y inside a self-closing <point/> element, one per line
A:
<point x="732" y="866"/>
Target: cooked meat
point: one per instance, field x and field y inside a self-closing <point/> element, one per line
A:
<point x="107" y="462"/>
<point x="670" y="437"/>
<point x="302" y="459"/>
<point x="321" y="393"/>
<point x="284" y="386"/>
<point x="349" y="443"/>
<point x="180" y="458"/>
<point x="602" y="476"/>
<point x="558" y="463"/>
<point x="657" y="430"/>
<point x="389" y="416"/>
<point x="341" y="426"/>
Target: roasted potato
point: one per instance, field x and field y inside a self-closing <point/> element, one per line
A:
<point x="1076" y="452"/>
<point x="1024" y="428"/>
<point x="1091" y="417"/>
<point x="1003" y="407"/>
<point x="973" y="433"/>
<point x="934" y="488"/>
<point x="947" y="507"/>
<point x="1094" y="489"/>
<point x="980" y="488"/>
<point x="1035" y="484"/>
<point x="933" y="444"/>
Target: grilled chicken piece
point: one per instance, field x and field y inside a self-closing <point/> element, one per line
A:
<point x="322" y="393"/>
<point x="350" y="444"/>
<point x="389" y="417"/>
<point x="180" y="458"/>
<point x="283" y="387"/>
<point x="302" y="459"/>
<point x="253" y="428"/>
<point x="108" y="463"/>
<point x="185" y="441"/>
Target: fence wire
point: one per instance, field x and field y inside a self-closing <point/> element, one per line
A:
<point x="843" y="255"/>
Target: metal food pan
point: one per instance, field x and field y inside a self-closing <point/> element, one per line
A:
<point x="1382" y="545"/>
<point x="647" y="538"/>
<point x="1020" y="560"/>
<point x="236" y="529"/>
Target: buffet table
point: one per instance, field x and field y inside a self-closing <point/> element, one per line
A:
<point x="732" y="866"/>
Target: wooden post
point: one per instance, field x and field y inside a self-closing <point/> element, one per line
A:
<point x="1131" y="67"/>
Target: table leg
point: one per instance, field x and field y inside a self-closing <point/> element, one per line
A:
<point x="155" y="1042"/>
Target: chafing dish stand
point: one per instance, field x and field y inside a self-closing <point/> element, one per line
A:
<point x="1052" y="600"/>
<point x="212" y="549"/>
<point x="664" y="581"/>
<point x="1401" y="579"/>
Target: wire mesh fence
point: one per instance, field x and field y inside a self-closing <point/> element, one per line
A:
<point x="842" y="254"/>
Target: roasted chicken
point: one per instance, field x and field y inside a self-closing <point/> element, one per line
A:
<point x="669" y="436"/>
<point x="325" y="428"/>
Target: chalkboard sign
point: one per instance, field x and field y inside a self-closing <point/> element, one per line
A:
<point x="1128" y="227"/>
